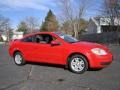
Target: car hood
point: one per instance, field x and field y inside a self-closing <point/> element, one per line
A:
<point x="89" y="45"/>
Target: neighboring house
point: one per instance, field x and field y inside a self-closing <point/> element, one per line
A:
<point x="4" y="37"/>
<point x="101" y="24"/>
<point x="17" y="35"/>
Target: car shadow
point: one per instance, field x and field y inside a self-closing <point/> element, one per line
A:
<point x="56" y="66"/>
<point x="98" y="69"/>
<point x="47" y="65"/>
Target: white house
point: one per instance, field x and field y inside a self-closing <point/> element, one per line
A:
<point x="4" y="35"/>
<point x="100" y="24"/>
<point x="17" y="35"/>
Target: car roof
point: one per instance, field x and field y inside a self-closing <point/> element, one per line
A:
<point x="42" y="33"/>
<point x="38" y="33"/>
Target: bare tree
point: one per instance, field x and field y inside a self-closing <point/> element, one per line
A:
<point x="73" y="12"/>
<point x="32" y="24"/>
<point x="4" y="23"/>
<point x="22" y="27"/>
<point x="5" y="26"/>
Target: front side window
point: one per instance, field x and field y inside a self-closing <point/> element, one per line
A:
<point x="43" y="38"/>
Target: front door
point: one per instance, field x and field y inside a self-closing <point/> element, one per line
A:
<point x="45" y="52"/>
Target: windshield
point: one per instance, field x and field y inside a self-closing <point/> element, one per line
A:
<point x="67" y="38"/>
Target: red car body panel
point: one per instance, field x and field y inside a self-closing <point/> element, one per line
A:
<point x="36" y="52"/>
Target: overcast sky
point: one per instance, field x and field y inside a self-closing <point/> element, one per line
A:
<point x="17" y="10"/>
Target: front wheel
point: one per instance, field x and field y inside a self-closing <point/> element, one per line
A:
<point x="18" y="59"/>
<point x="78" y="64"/>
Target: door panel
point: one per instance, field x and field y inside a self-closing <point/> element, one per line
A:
<point x="49" y="54"/>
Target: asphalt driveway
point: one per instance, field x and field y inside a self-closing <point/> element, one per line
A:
<point x="45" y="77"/>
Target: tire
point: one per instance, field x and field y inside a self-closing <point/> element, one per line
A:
<point x="77" y="64"/>
<point x="18" y="59"/>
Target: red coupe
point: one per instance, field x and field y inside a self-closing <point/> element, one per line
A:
<point x="59" y="48"/>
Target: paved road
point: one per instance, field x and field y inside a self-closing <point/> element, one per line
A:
<point x="44" y="77"/>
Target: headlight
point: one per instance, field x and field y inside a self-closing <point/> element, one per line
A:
<point x="98" y="51"/>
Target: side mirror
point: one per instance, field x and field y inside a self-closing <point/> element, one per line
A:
<point x="55" y="43"/>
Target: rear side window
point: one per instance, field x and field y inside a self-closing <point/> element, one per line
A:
<point x="28" y="39"/>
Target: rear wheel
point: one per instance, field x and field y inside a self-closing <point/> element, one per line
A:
<point x="78" y="64"/>
<point x="18" y="59"/>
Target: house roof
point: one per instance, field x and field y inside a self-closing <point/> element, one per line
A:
<point x="95" y="20"/>
<point x="104" y="20"/>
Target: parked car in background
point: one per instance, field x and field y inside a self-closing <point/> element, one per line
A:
<point x="59" y="48"/>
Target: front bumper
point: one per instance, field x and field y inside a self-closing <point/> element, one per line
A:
<point x="100" y="61"/>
